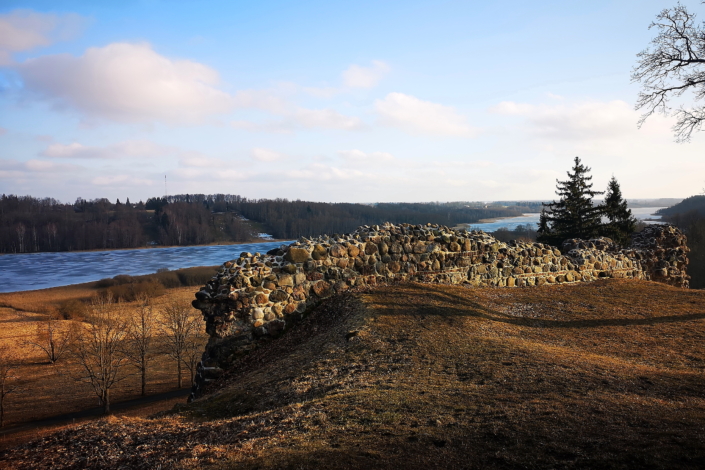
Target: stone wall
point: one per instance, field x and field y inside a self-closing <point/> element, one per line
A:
<point x="256" y="296"/>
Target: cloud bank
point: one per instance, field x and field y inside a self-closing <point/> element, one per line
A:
<point x="414" y="115"/>
<point x="23" y="30"/>
<point x="129" y="83"/>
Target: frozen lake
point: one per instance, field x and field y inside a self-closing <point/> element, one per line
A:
<point x="42" y="270"/>
<point x="641" y="213"/>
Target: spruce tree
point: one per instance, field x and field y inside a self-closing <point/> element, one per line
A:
<point x="574" y="215"/>
<point x="544" y="231"/>
<point x="621" y="221"/>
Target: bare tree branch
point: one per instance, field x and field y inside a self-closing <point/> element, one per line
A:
<point x="98" y="349"/>
<point x="183" y="331"/>
<point x="54" y="338"/>
<point x="673" y="64"/>
<point x="139" y="341"/>
<point x="9" y="363"/>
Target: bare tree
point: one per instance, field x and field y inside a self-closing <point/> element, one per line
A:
<point x="54" y="339"/>
<point x="98" y="349"/>
<point x="195" y="345"/>
<point x="182" y="328"/>
<point x="672" y="65"/>
<point x="9" y="362"/>
<point x="139" y="341"/>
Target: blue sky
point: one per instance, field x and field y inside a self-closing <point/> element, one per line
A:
<point x="330" y="101"/>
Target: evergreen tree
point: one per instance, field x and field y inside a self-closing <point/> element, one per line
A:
<point x="621" y="221"/>
<point x="574" y="215"/>
<point x="544" y="231"/>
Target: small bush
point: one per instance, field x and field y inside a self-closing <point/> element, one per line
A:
<point x="131" y="292"/>
<point x="168" y="279"/>
<point x="72" y="309"/>
<point x="121" y="279"/>
<point x="196" y="276"/>
<point x="103" y="283"/>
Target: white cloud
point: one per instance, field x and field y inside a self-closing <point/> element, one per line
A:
<point x="302" y="118"/>
<point x="511" y="108"/>
<point x="267" y="155"/>
<point x="123" y="180"/>
<point x="128" y="82"/>
<point x="324" y="118"/>
<point x="415" y="115"/>
<point x="198" y="160"/>
<point x="22" y="30"/>
<point x="35" y="166"/>
<point x="266" y="100"/>
<point x="589" y="120"/>
<point x="356" y="76"/>
<point x="130" y="148"/>
<point x="322" y="92"/>
<point x="360" y="156"/>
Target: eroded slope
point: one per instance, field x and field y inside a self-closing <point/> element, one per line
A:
<point x="608" y="374"/>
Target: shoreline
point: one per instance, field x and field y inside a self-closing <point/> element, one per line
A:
<point x="91" y="284"/>
<point x="491" y="220"/>
<point x="158" y="247"/>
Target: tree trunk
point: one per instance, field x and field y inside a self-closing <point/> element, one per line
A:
<point x="178" y="368"/>
<point x="144" y="380"/>
<point x="106" y="401"/>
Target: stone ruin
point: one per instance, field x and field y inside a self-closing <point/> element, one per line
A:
<point x="257" y="296"/>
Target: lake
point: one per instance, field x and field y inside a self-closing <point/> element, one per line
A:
<point x="641" y="213"/>
<point x="30" y="271"/>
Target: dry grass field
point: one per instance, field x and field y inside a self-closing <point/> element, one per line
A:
<point x="601" y="375"/>
<point x="47" y="390"/>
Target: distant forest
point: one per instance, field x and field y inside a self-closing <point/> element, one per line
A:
<point x="29" y="224"/>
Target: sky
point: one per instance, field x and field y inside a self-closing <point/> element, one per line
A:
<point x="357" y="101"/>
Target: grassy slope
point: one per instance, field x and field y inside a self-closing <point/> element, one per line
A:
<point x="47" y="390"/>
<point x="608" y="374"/>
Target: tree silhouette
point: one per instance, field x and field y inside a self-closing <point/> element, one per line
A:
<point x="672" y="65"/>
<point x="573" y="215"/>
<point x="621" y="221"/>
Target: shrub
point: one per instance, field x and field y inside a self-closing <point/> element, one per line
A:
<point x="121" y="279"/>
<point x="103" y="283"/>
<point x="196" y="276"/>
<point x="72" y="309"/>
<point x="131" y="292"/>
<point x="168" y="279"/>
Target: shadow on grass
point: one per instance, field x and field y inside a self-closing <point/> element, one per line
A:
<point x="428" y="294"/>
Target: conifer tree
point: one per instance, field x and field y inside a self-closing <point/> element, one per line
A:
<point x="544" y="230"/>
<point x="573" y="215"/>
<point x="621" y="221"/>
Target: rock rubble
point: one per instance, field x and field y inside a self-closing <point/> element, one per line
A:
<point x="256" y="296"/>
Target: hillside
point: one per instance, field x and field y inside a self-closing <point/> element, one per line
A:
<point x="598" y="375"/>
<point x="693" y="204"/>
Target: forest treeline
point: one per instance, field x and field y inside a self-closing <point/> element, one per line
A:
<point x="29" y="224"/>
<point x="293" y="219"/>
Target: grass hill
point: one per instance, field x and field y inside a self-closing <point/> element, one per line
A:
<point x="597" y="375"/>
